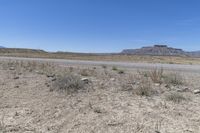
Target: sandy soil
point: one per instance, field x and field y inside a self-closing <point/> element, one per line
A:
<point x="28" y="106"/>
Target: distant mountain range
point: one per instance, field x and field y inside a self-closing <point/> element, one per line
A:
<point x="156" y="50"/>
<point x="160" y="50"/>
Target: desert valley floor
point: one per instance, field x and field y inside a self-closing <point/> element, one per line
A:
<point x="40" y="97"/>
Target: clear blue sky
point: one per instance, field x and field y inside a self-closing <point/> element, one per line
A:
<point x="99" y="25"/>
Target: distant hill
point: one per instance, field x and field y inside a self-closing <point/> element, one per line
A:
<point x="194" y="53"/>
<point x="156" y="50"/>
<point x="162" y="50"/>
<point x="20" y="50"/>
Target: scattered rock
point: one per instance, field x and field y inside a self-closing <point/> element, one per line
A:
<point x="47" y="84"/>
<point x="197" y="91"/>
<point x="50" y="75"/>
<point x="38" y="72"/>
<point x="167" y="86"/>
<point x="186" y="89"/>
<point x="99" y="110"/>
<point x="20" y="73"/>
<point x="113" y="124"/>
<point x="17" y="77"/>
<point x="12" y="68"/>
<point x="53" y="79"/>
<point x="85" y="80"/>
<point x="157" y="84"/>
<point x="112" y="79"/>
<point x="16" y="86"/>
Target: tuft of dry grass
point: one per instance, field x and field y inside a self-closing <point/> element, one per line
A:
<point x="68" y="83"/>
<point x="175" y="97"/>
<point x="114" y="68"/>
<point x="2" y="124"/>
<point x="144" y="88"/>
<point x="121" y="72"/>
<point x="173" y="79"/>
<point x="87" y="72"/>
<point x="156" y="75"/>
<point x="104" y="66"/>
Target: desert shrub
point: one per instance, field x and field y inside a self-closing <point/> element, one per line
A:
<point x="121" y="71"/>
<point x="143" y="73"/>
<point x="114" y="68"/>
<point x="156" y="75"/>
<point x="144" y="88"/>
<point x="173" y="79"/>
<point x="104" y="66"/>
<point x="84" y="72"/>
<point x="68" y="83"/>
<point x="87" y="72"/>
<point x="175" y="97"/>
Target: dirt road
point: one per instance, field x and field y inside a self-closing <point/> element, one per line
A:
<point x="128" y="65"/>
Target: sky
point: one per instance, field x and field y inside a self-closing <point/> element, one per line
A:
<point x="99" y="25"/>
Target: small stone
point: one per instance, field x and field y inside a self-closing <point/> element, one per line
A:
<point x="197" y="91"/>
<point x="20" y="73"/>
<point x="112" y="79"/>
<point x="12" y="68"/>
<point x="54" y="79"/>
<point x="167" y="86"/>
<point x="50" y="75"/>
<point x="183" y="90"/>
<point x="99" y="110"/>
<point x="39" y="72"/>
<point x="157" y="84"/>
<point x="16" y="86"/>
<point x="16" y="77"/>
<point x="85" y="80"/>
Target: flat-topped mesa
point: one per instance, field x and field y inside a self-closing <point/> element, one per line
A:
<point x="161" y="46"/>
<point x="158" y="50"/>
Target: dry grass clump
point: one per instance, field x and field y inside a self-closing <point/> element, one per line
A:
<point x="156" y="75"/>
<point x="121" y="72"/>
<point x="138" y="85"/>
<point x="87" y="72"/>
<point x="175" y="97"/>
<point x="173" y="79"/>
<point x="144" y="88"/>
<point x="20" y="66"/>
<point x="104" y="66"/>
<point x="68" y="83"/>
<point x="114" y="68"/>
<point x="2" y="124"/>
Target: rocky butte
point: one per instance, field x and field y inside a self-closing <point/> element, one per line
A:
<point x="162" y="50"/>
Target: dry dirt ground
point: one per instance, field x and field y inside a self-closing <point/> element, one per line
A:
<point x="110" y="100"/>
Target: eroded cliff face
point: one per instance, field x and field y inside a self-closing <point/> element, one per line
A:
<point x="156" y="50"/>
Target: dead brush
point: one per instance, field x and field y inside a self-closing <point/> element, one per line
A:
<point x="68" y="83"/>
<point x="144" y="88"/>
<point x="175" y="97"/>
<point x="156" y="75"/>
<point x="87" y="72"/>
<point x="173" y="79"/>
<point x="2" y="124"/>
